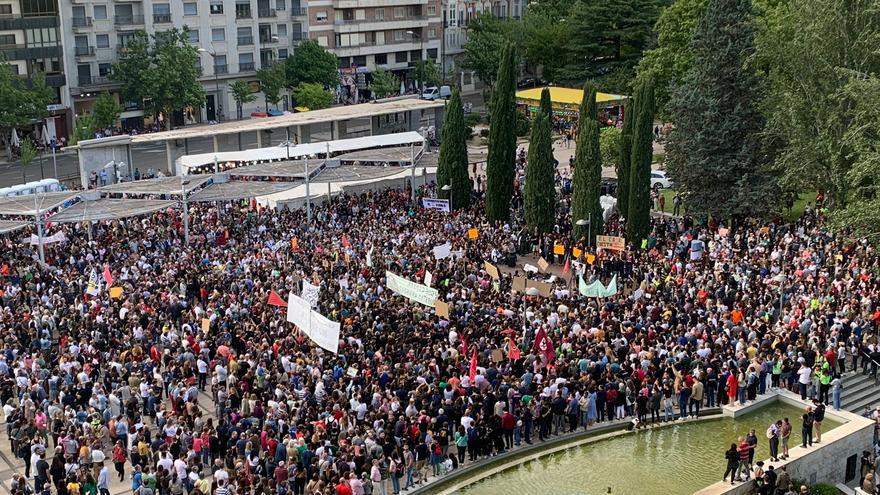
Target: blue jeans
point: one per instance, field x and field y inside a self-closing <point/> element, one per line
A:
<point x="835" y="399"/>
<point x="409" y="478"/>
<point x="741" y="395"/>
<point x="803" y="389"/>
<point x="395" y="483"/>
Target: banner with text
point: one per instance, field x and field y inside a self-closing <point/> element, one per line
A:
<point x="436" y="204"/>
<point x="610" y="242"/>
<point x="411" y="290"/>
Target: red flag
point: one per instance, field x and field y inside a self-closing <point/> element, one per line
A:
<point x="276" y="300"/>
<point x="464" y="346"/>
<point x="108" y="277"/>
<point x="472" y="374"/>
<point x="544" y="345"/>
<point x="567" y="267"/>
<point x="345" y="242"/>
<point x="513" y="352"/>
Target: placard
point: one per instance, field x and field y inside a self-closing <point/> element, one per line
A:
<point x="591" y="258"/>
<point x="206" y="325"/>
<point x="576" y="253"/>
<point x="558" y="249"/>
<point x="436" y="204"/>
<point x="610" y="242"/>
<point x="442" y="251"/>
<point x="543" y="265"/>
<point x="441" y="308"/>
<point x="411" y="290"/>
<point x="519" y="284"/>
<point x="497" y="355"/>
<point x="473" y="233"/>
<point x="492" y="270"/>
<point x="115" y="292"/>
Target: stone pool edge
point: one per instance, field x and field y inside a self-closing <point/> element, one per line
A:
<point x="475" y="472"/>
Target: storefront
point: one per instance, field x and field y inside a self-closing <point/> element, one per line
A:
<point x="566" y="103"/>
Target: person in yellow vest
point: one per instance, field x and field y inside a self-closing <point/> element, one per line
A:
<point x="824" y="382"/>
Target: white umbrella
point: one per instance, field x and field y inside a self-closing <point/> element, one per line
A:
<point x="14" y="139"/>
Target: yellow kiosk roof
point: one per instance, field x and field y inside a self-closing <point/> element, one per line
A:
<point x="565" y="96"/>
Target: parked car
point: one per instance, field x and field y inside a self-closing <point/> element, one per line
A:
<point x="433" y="92"/>
<point x="609" y="186"/>
<point x="530" y="82"/>
<point x="659" y="180"/>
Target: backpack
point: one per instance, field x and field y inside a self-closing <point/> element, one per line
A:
<point x="398" y="469"/>
<point x="770" y="433"/>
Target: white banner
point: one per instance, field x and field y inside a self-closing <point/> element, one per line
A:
<point x="316" y="326"/>
<point x="428" y="278"/>
<point x="311" y="293"/>
<point x="436" y="204"/>
<point x="411" y="290"/>
<point x="443" y="251"/>
<point x="35" y="240"/>
<point x="94" y="285"/>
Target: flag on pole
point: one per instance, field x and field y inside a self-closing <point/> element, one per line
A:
<point x="544" y="345"/>
<point x="567" y="267"/>
<point x="345" y="242"/>
<point x="370" y="257"/>
<point x="276" y="300"/>
<point x="513" y="351"/>
<point x="464" y="346"/>
<point x="472" y="373"/>
<point x="108" y="277"/>
<point x="94" y="284"/>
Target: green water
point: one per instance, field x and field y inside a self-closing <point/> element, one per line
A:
<point x="679" y="459"/>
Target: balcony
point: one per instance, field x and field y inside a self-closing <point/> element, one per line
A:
<point x="246" y="66"/>
<point x="245" y="40"/>
<point x="28" y="21"/>
<point x="27" y="52"/>
<point x="84" y="51"/>
<point x="129" y="20"/>
<point x="243" y="14"/>
<point x="267" y="13"/>
<point x="270" y="38"/>
<point x="221" y="69"/>
<point x="81" y="22"/>
<point x="161" y="18"/>
<point x="299" y="12"/>
<point x="85" y="81"/>
<point x="199" y="70"/>
<point x="363" y="25"/>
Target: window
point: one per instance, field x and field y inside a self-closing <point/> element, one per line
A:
<point x="161" y="8"/>
<point x="102" y="41"/>
<point x="104" y="69"/>
<point x="41" y="37"/>
<point x="399" y="35"/>
<point x="100" y="12"/>
<point x="400" y="57"/>
<point x="216" y="8"/>
<point x="281" y="29"/>
<point x="193" y="36"/>
<point x="280" y="5"/>
<point x="246" y="58"/>
<point x="432" y="10"/>
<point x="321" y="16"/>
<point x="15" y="69"/>
<point x="190" y="8"/>
<point x="7" y="40"/>
<point x="381" y="58"/>
<point x="399" y="12"/>
<point x="218" y="34"/>
<point x="379" y="14"/>
<point x="5" y="8"/>
<point x="323" y="41"/>
<point x="432" y="33"/>
<point x="432" y="53"/>
<point x="360" y="60"/>
<point x="282" y="53"/>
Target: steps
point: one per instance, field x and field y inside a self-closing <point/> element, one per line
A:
<point x="859" y="391"/>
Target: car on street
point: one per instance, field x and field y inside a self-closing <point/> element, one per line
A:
<point x="433" y="93"/>
<point x="659" y="180"/>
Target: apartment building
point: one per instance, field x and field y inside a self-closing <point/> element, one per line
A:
<point x="235" y="38"/>
<point x="368" y="34"/>
<point x="30" y="42"/>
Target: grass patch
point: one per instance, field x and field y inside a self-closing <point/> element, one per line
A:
<point x="658" y="158"/>
<point x="797" y="210"/>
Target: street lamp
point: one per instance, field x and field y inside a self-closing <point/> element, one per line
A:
<point x="448" y="187"/>
<point x="219" y="110"/>
<point x="588" y="222"/>
<point x="422" y="56"/>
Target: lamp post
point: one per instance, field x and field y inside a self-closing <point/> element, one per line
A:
<point x="588" y="222"/>
<point x="448" y="187"/>
<point x="421" y="55"/>
<point x="218" y="111"/>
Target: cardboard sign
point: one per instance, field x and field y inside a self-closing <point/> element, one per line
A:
<point x="206" y="325"/>
<point x="492" y="270"/>
<point x="576" y="253"/>
<point x="473" y="233"/>
<point x="610" y="242"/>
<point x="115" y="292"/>
<point x="519" y="284"/>
<point x="558" y="249"/>
<point x="545" y="289"/>
<point x="442" y="308"/>
<point x="543" y="265"/>
<point x="497" y="355"/>
<point x="591" y="258"/>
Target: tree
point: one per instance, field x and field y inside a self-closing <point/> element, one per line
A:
<point x="106" y="111"/>
<point x="311" y="63"/>
<point x="384" y="84"/>
<point x="28" y="153"/>
<point x="272" y="80"/>
<point x="609" y="146"/>
<point x="20" y="104"/>
<point x="500" y="168"/>
<point x="241" y="92"/>
<point x="540" y="191"/>
<point x="160" y="72"/>
<point x="624" y="163"/>
<point x="715" y="152"/>
<point x="313" y="96"/>
<point x="812" y="51"/>
<point x="426" y="72"/>
<point x="546" y="35"/>
<point x="586" y="185"/>
<point x="667" y="64"/>
<point x="608" y="38"/>
<point x="547" y="105"/>
<point x="452" y="165"/>
<point x="488" y="38"/>
<point x="638" y="220"/>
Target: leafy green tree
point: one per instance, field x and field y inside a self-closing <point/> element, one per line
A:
<point x="638" y="220"/>
<point x="106" y="111"/>
<point x="812" y="51"/>
<point x="586" y="185"/>
<point x="624" y="164"/>
<point x="715" y="152"/>
<point x="546" y="36"/>
<point x="384" y="84"/>
<point x="28" y="153"/>
<point x="500" y="168"/>
<point x="20" y="104"/>
<point x="161" y="72"/>
<point x="488" y="38"/>
<point x="452" y="167"/>
<point x="609" y="146"/>
<point x="272" y="80"/>
<point x="608" y="38"/>
<point x="313" y="96"/>
<point x="311" y="63"/>
<point x="427" y="73"/>
<point x="540" y="191"/>
<point x="667" y="63"/>
<point x="83" y="128"/>
<point x="241" y="92"/>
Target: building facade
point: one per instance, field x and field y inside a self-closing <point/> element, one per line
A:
<point x="30" y="42"/>
<point x="235" y="38"/>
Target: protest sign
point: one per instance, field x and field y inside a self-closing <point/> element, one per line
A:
<point x="543" y="265"/>
<point x="473" y="233"/>
<point x="442" y="251"/>
<point x="442" y="308"/>
<point x="115" y="292"/>
<point x="436" y="204"/>
<point x="610" y="242"/>
<point x="411" y="290"/>
<point x="492" y="270"/>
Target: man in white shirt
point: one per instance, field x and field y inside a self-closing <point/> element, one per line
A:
<point x="803" y="380"/>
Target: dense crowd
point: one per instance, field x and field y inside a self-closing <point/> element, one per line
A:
<point x="190" y="382"/>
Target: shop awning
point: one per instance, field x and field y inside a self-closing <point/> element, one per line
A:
<point x="565" y="96"/>
<point x="235" y="190"/>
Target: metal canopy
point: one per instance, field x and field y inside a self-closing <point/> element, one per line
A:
<point x="348" y="173"/>
<point x="32" y="204"/>
<point x="10" y="225"/>
<point x="293" y="169"/>
<point x="235" y="190"/>
<point x="163" y="185"/>
<point x="109" y="209"/>
<point x="394" y="154"/>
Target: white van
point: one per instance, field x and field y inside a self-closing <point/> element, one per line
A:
<point x="433" y="92"/>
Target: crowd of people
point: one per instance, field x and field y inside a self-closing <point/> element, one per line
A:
<point x="189" y="381"/>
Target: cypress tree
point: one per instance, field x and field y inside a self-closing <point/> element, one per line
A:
<point x="501" y="162"/>
<point x="587" y="182"/>
<point x="547" y="104"/>
<point x="623" y="164"/>
<point x="453" y="160"/>
<point x="540" y="192"/>
<point x="638" y="223"/>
